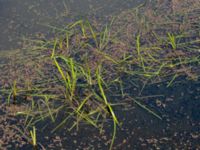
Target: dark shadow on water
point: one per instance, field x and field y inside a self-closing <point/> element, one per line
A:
<point x="179" y="107"/>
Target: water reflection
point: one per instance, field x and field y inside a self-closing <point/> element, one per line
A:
<point x="20" y="18"/>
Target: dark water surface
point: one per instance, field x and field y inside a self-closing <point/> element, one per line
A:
<point x="24" y="18"/>
<point x="178" y="129"/>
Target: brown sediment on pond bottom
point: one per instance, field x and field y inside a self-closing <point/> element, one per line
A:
<point x="10" y="137"/>
<point x="184" y="5"/>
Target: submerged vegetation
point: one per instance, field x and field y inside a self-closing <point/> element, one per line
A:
<point x="86" y="74"/>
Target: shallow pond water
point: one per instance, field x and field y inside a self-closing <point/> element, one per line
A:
<point x="24" y="18"/>
<point x="175" y="101"/>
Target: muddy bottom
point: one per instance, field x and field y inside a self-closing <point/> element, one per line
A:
<point x="179" y="128"/>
